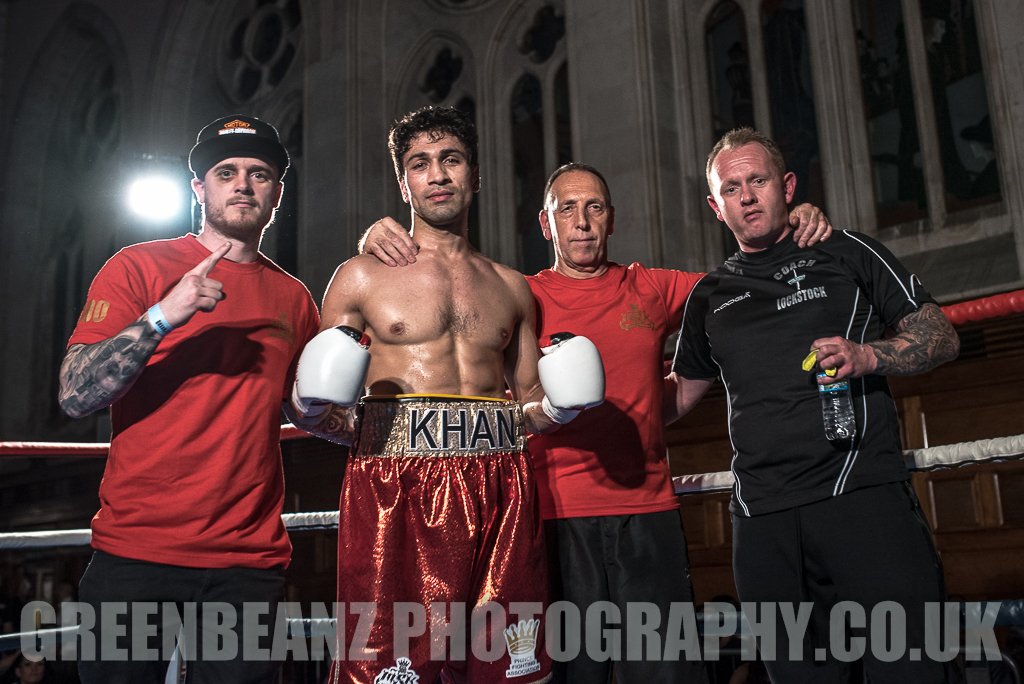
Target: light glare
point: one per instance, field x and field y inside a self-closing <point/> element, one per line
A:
<point x="155" y="198"/>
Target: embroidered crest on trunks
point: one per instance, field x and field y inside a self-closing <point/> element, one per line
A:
<point x="521" y="640"/>
<point x="401" y="673"/>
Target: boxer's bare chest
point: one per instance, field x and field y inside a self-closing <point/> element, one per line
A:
<point x="429" y="301"/>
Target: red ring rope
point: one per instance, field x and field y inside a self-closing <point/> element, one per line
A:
<point x="985" y="308"/>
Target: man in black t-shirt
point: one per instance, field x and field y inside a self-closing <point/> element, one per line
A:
<point x="815" y="520"/>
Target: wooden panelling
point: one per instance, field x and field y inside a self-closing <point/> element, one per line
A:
<point x="988" y="575"/>
<point x="1011" y="495"/>
<point x="708" y="457"/>
<point x="692" y="514"/>
<point x="954" y="505"/>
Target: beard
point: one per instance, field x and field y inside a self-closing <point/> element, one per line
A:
<point x="439" y="216"/>
<point x="445" y="213"/>
<point x="246" y="227"/>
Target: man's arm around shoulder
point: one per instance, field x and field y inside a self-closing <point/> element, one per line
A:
<point x="390" y="242"/>
<point x="682" y="394"/>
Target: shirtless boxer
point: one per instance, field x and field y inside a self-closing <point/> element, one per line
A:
<point x="439" y="502"/>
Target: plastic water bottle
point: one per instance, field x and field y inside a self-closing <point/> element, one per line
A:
<point x="837" y="410"/>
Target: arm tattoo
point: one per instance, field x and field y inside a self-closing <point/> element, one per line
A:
<point x="94" y="376"/>
<point x="926" y="339"/>
<point x="337" y="426"/>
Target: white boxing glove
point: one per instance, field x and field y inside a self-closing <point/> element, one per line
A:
<point x="332" y="369"/>
<point x="572" y="375"/>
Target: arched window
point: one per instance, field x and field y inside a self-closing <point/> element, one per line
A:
<point x="932" y="147"/>
<point x="540" y="127"/>
<point x="91" y="128"/>
<point x="259" y="64"/>
<point x="791" y="95"/>
<point x="528" y="148"/>
<point x="890" y="112"/>
<point x="732" y="100"/>
<point x="442" y="75"/>
<point x="260" y="47"/>
<point x="67" y="145"/>
<point x="969" y="171"/>
<point x="732" y="97"/>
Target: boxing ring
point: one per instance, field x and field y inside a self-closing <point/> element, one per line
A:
<point x="1011" y="611"/>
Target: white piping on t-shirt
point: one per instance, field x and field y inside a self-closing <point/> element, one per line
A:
<point x="735" y="453"/>
<point x="851" y="457"/>
<point x="910" y="298"/>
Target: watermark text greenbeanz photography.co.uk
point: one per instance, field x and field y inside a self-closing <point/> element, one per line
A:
<point x="489" y="631"/>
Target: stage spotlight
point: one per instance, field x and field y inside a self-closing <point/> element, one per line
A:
<point x="157" y="198"/>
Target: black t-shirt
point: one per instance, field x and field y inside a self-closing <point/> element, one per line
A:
<point x="752" y="321"/>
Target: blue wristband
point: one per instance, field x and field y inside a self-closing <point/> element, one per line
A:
<point x="157" y="320"/>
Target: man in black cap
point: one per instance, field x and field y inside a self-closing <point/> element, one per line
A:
<point x="192" y="343"/>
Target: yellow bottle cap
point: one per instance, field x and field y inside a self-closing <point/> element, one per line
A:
<point x="811" y="359"/>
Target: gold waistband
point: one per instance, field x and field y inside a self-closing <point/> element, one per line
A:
<point x="432" y="425"/>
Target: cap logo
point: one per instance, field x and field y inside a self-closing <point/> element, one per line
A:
<point x="237" y="126"/>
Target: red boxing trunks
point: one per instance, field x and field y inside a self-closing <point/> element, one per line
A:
<point x="442" y="566"/>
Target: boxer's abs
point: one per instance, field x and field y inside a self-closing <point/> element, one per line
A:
<point x="450" y="341"/>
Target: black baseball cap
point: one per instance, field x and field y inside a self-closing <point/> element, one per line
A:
<point x="237" y="136"/>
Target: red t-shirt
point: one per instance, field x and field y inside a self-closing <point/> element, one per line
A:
<point x="194" y="475"/>
<point x="610" y="460"/>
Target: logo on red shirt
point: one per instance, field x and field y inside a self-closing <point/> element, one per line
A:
<point x="95" y="310"/>
<point x="635" y="318"/>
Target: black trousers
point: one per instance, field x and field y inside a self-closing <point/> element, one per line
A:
<point x="867" y="546"/>
<point x="218" y="593"/>
<point x="622" y="559"/>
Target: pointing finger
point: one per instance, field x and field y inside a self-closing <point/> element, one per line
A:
<point x="207" y="264"/>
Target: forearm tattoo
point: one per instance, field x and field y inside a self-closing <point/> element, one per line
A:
<point x="926" y="339"/>
<point x="94" y="376"/>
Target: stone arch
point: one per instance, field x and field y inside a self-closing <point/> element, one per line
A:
<point x="419" y="84"/>
<point x="68" y="137"/>
<point x="188" y="89"/>
<point x="194" y="85"/>
<point x="439" y="69"/>
<point x="505" y="63"/>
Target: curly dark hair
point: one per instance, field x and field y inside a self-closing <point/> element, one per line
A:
<point x="437" y="122"/>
